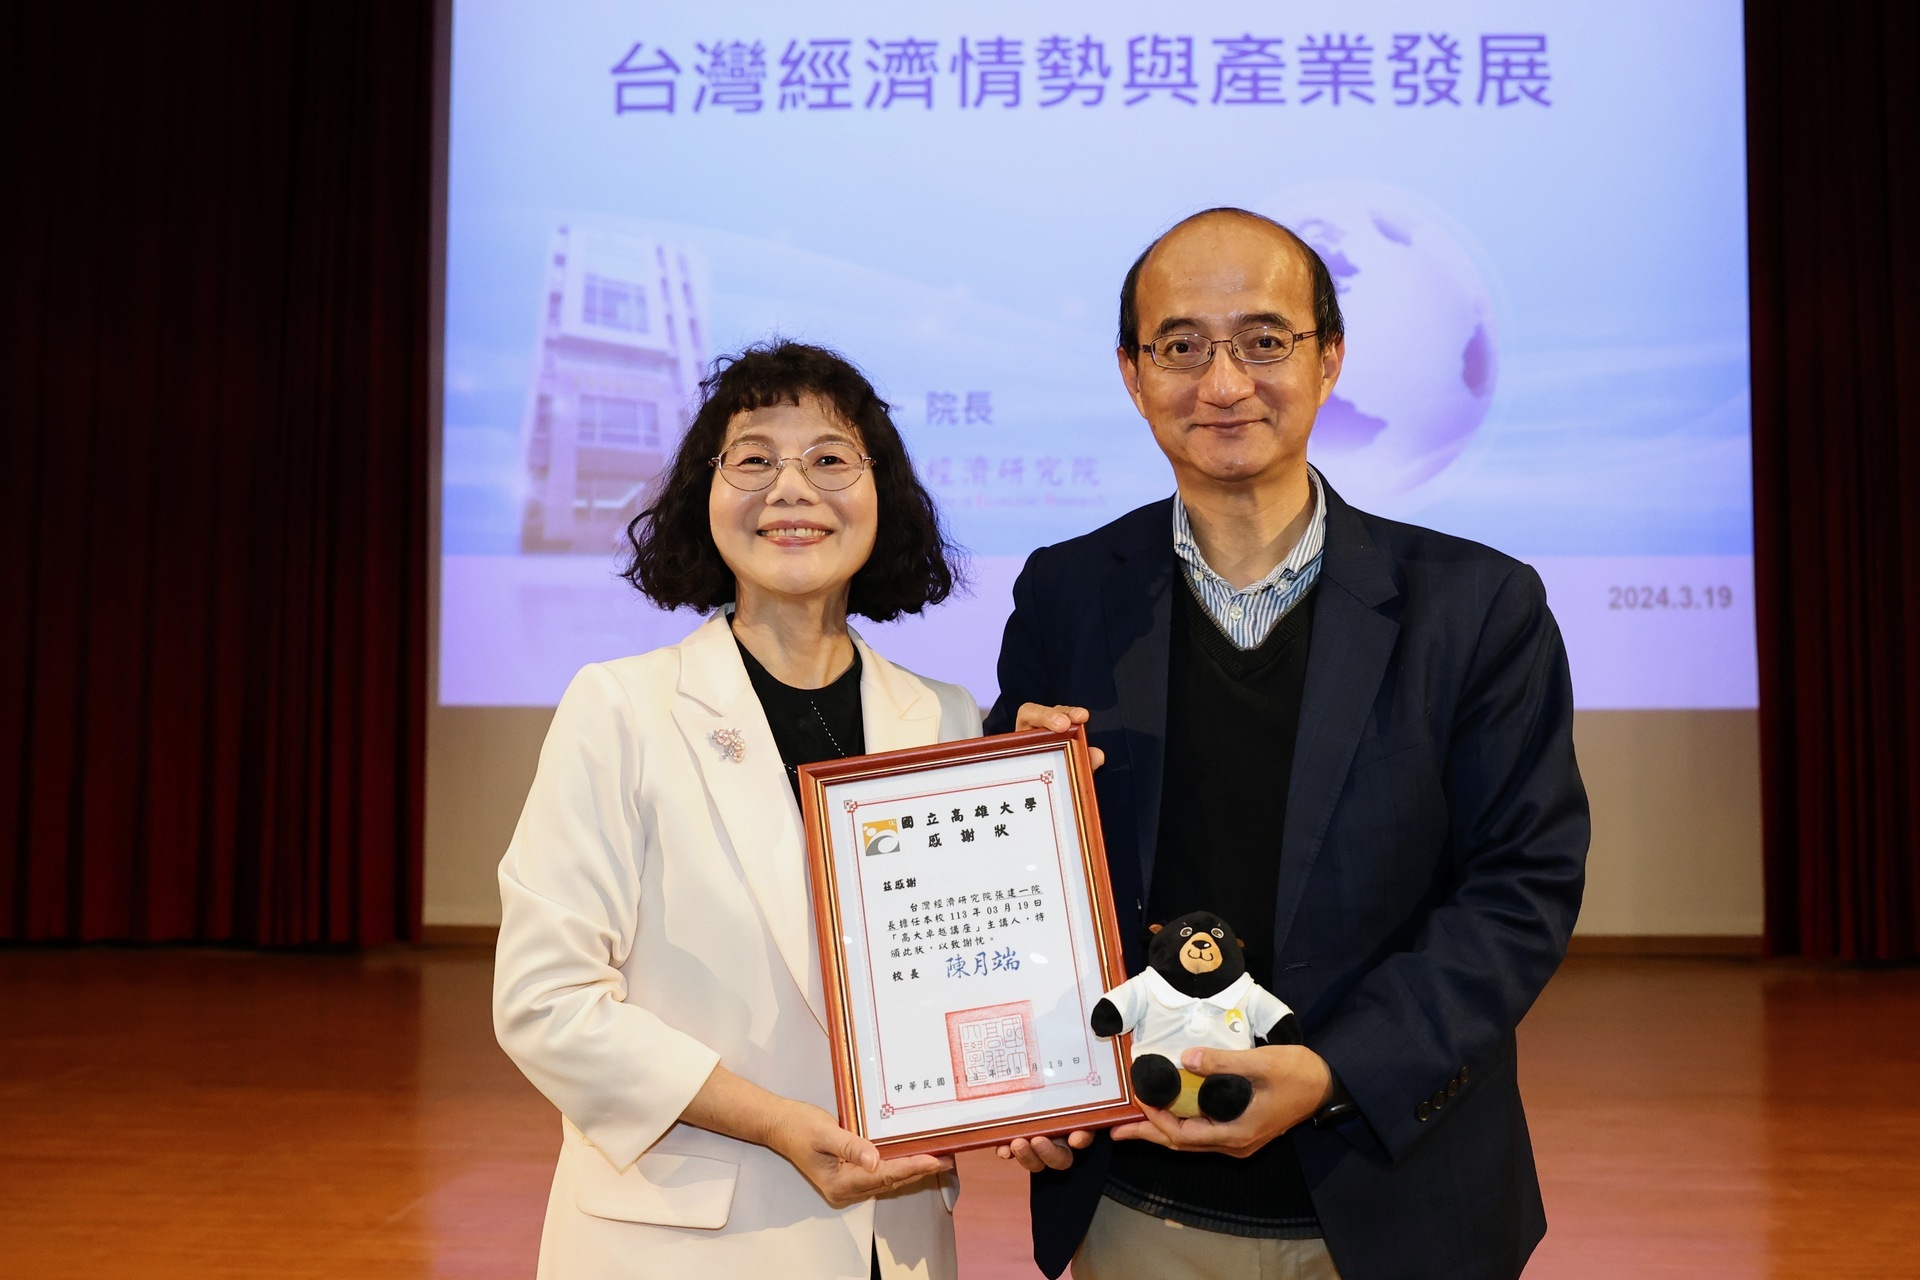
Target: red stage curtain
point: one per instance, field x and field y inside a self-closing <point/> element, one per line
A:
<point x="1834" y="159"/>
<point x="214" y="486"/>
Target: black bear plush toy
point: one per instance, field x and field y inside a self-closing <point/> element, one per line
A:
<point x="1196" y="991"/>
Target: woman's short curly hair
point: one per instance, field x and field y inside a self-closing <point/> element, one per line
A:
<point x="673" y="560"/>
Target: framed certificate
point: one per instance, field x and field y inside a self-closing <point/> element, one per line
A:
<point x="966" y="930"/>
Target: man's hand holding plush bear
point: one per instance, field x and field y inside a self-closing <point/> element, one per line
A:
<point x="1214" y="1058"/>
<point x="1290" y="1082"/>
<point x="1192" y="1002"/>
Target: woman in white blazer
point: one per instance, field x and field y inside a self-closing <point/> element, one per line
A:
<point x="657" y="975"/>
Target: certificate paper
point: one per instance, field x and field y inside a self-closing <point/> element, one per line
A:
<point x="967" y="932"/>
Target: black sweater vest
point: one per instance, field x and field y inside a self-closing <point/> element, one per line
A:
<point x="1232" y="717"/>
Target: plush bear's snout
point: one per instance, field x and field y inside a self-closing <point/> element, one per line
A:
<point x="1199" y="954"/>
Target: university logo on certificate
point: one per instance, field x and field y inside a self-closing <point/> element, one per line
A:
<point x="967" y="930"/>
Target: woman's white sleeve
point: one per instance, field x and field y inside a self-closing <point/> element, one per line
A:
<point x="569" y="902"/>
<point x="959" y="713"/>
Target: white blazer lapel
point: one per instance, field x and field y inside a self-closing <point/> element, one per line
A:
<point x="896" y="710"/>
<point x="726" y="730"/>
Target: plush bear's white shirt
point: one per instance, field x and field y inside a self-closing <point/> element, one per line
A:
<point x="1166" y="1021"/>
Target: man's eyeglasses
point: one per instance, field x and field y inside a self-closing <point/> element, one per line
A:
<point x="827" y="467"/>
<point x="1262" y="344"/>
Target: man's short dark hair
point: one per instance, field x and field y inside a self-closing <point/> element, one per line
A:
<point x="1328" y="324"/>
<point x="673" y="559"/>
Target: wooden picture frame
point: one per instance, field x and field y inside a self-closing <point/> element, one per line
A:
<point x="957" y="1009"/>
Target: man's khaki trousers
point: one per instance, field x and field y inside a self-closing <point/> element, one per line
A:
<point x="1125" y="1244"/>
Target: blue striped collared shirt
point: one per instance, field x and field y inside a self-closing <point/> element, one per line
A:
<point x="1247" y="615"/>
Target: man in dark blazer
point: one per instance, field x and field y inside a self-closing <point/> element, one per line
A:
<point x="1353" y="738"/>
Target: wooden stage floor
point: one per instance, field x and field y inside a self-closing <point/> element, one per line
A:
<point x="206" y="1114"/>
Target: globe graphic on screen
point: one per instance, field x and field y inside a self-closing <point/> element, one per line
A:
<point x="1422" y="351"/>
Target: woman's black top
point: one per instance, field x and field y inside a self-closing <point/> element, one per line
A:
<point x="810" y="725"/>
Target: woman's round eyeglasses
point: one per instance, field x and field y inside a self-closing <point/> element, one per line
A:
<point x="827" y="467"/>
<point x="1262" y="344"/>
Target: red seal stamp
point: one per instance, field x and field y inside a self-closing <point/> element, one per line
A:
<point x="993" y="1050"/>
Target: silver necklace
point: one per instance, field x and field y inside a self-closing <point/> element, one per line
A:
<point x="821" y="717"/>
<point x="838" y="750"/>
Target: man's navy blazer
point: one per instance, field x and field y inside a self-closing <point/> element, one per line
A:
<point x="1431" y="863"/>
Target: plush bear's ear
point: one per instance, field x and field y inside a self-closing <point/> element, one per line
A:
<point x="1153" y="928"/>
<point x="1242" y="942"/>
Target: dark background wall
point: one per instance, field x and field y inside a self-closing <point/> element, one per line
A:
<point x="214" y="480"/>
<point x="1833" y="162"/>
